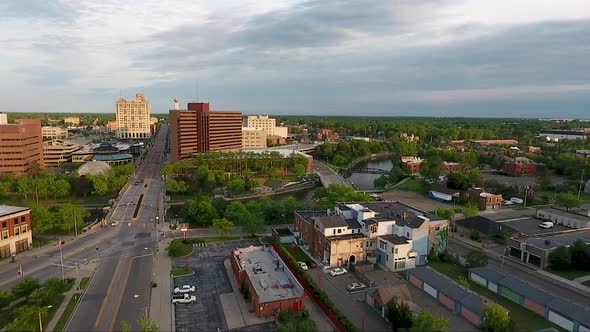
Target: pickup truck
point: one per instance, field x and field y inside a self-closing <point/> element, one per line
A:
<point x="183" y="298"/>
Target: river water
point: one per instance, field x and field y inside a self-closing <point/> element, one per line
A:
<point x="363" y="181"/>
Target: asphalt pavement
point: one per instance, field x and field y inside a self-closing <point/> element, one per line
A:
<point x="121" y="287"/>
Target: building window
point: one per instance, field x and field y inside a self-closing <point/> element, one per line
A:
<point x="4" y="235"/>
<point x="408" y="235"/>
<point x="400" y="265"/>
<point x="22" y="219"/>
<point x="382" y="245"/>
<point x="339" y="231"/>
<point x="15" y="221"/>
<point x="437" y="228"/>
<point x="395" y="251"/>
<point x="333" y="231"/>
<point x="23" y="229"/>
<point x="4" y="224"/>
<point x="16" y="231"/>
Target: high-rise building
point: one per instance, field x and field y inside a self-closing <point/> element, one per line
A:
<point x="133" y="118"/>
<point x="267" y="124"/>
<point x="21" y="146"/>
<point x="253" y="138"/>
<point x="197" y="129"/>
<point x="3" y="118"/>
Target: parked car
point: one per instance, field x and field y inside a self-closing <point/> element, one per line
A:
<point x="184" y="289"/>
<point x="303" y="266"/>
<point x="136" y="183"/>
<point x="338" y="272"/>
<point x="183" y="298"/>
<point x="355" y="287"/>
<point x="114" y="223"/>
<point x="546" y="224"/>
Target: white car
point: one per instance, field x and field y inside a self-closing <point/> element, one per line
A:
<point x="546" y="224"/>
<point x="184" y="289"/>
<point x="303" y="266"/>
<point x="355" y="287"/>
<point x="338" y="272"/>
<point x="183" y="298"/>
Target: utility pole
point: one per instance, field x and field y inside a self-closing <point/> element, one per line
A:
<point x="526" y="193"/>
<point x="580" y="187"/>
<point x="75" y="226"/>
<point x="61" y="258"/>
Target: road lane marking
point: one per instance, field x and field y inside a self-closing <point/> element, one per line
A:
<point x="104" y="302"/>
<point x="118" y="306"/>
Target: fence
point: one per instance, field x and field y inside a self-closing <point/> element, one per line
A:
<point x="309" y="290"/>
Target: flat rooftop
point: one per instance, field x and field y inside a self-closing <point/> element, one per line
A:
<point x="567" y="214"/>
<point x="6" y="210"/>
<point x="554" y="241"/>
<point x="271" y="283"/>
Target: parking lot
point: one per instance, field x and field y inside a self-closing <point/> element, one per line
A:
<point x="508" y="213"/>
<point x="530" y="226"/>
<point x="210" y="280"/>
<point x="415" y="200"/>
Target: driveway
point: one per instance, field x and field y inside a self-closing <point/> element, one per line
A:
<point x="352" y="305"/>
<point x="210" y="280"/>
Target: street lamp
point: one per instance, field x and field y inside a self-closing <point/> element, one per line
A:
<point x="40" y="321"/>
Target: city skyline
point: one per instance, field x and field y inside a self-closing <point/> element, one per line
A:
<point x="436" y="58"/>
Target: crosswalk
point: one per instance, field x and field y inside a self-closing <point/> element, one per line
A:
<point x="199" y="245"/>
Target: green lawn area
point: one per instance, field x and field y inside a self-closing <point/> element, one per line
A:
<point x="584" y="198"/>
<point x="569" y="274"/>
<point x="84" y="282"/>
<point x="181" y="272"/>
<point x="416" y="185"/>
<point x="300" y="255"/>
<point x="524" y="319"/>
<point x="65" y="316"/>
<point x="586" y="283"/>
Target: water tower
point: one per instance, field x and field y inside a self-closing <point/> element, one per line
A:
<point x="175" y="103"/>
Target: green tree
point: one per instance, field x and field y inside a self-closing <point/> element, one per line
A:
<point x="425" y="321"/>
<point x="476" y="258"/>
<point x="236" y="186"/>
<point x="399" y="315"/>
<point x="568" y="200"/>
<point x="222" y="226"/>
<point x="176" y="186"/>
<point x="299" y="170"/>
<point x="237" y="212"/>
<point x="167" y="170"/>
<point x="5" y="299"/>
<point x="148" y="325"/>
<point x="445" y="213"/>
<point x="100" y="184"/>
<point x="42" y="219"/>
<point x="4" y="188"/>
<point x="430" y="168"/>
<point x="252" y="225"/>
<point x="200" y="210"/>
<point x="470" y="210"/>
<point x="26" y="318"/>
<point x="61" y="188"/>
<point x="495" y="318"/>
<point x="560" y="258"/>
<point x="71" y="216"/>
<point x="25" y="287"/>
<point x="42" y="296"/>
<point x="580" y="255"/>
<point x="23" y="186"/>
<point x="290" y="205"/>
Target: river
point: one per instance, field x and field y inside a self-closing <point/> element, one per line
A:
<point x="363" y="181"/>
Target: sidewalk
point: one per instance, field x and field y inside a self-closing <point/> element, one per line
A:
<point x="161" y="308"/>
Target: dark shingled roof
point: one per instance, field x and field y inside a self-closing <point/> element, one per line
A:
<point x="484" y="225"/>
<point x="307" y="215"/>
<point x="560" y="305"/>
<point x="331" y="221"/>
<point x="394" y="239"/>
<point x="450" y="289"/>
<point x="353" y="224"/>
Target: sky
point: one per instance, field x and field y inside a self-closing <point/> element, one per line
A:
<point x="473" y="58"/>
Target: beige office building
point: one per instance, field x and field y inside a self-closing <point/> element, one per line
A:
<point x="54" y="132"/>
<point x="267" y="124"/>
<point x="57" y="152"/>
<point x="133" y="118"/>
<point x="72" y="120"/>
<point x="253" y="138"/>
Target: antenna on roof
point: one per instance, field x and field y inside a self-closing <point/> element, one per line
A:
<point x="197" y="89"/>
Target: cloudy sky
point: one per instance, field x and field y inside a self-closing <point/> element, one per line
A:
<point x="517" y="58"/>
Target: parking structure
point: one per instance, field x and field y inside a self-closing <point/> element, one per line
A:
<point x="211" y="280"/>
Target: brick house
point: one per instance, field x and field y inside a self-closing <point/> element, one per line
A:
<point x="520" y="166"/>
<point x="486" y="228"/>
<point x="411" y="164"/>
<point x="15" y="230"/>
<point x="448" y="166"/>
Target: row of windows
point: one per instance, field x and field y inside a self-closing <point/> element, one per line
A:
<point x="15" y="221"/>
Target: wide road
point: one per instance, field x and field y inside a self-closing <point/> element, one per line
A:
<point x="328" y="176"/>
<point x="121" y="286"/>
<point x="526" y="274"/>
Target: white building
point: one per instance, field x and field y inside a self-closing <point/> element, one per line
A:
<point x="3" y="118"/>
<point x="397" y="252"/>
<point x="133" y="118"/>
<point x="54" y="132"/>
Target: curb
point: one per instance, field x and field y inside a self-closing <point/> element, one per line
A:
<point x="184" y="275"/>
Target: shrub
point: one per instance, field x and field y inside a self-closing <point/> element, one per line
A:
<point x="476" y="258"/>
<point x="474" y="236"/>
<point x="560" y="258"/>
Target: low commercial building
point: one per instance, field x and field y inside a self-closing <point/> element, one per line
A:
<point x="486" y="200"/>
<point x="57" y="152"/>
<point x="449" y="166"/>
<point x="72" y="120"/>
<point x="581" y="133"/>
<point x="443" y="194"/>
<point x="54" y="132"/>
<point x="520" y="166"/>
<point x="486" y="229"/>
<point x="562" y="216"/>
<point x="460" y="300"/>
<point x="271" y="285"/>
<point x="535" y="250"/>
<point x="253" y="138"/>
<point x="411" y="163"/>
<point x="488" y="142"/>
<point x="553" y="308"/>
<point x="15" y="230"/>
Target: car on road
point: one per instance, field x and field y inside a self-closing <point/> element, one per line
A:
<point x="546" y="224"/>
<point x="338" y="271"/>
<point x="136" y="183"/>
<point x="141" y="181"/>
<point x="356" y="287"/>
<point x="303" y="266"/>
<point x="183" y="298"/>
<point x="184" y="289"/>
<point x="114" y="223"/>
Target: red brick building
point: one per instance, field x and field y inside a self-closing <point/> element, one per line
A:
<point x="21" y="146"/>
<point x="411" y="164"/>
<point x="270" y="283"/>
<point x="520" y="166"/>
<point x="15" y="230"/>
<point x="448" y="166"/>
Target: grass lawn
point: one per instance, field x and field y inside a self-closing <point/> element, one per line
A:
<point x="84" y="282"/>
<point x="50" y="202"/>
<point x="65" y="316"/>
<point x="524" y="319"/>
<point x="584" y="198"/>
<point x="300" y="255"/>
<point x="569" y="274"/>
<point x="586" y="283"/>
<point x="181" y="272"/>
<point x="416" y="185"/>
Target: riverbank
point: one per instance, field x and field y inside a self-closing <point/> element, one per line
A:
<point x="370" y="157"/>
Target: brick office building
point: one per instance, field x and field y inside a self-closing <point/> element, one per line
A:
<point x="520" y="166"/>
<point x="411" y="163"/>
<point x="197" y="129"/>
<point x="271" y="285"/>
<point x="15" y="230"/>
<point x="21" y="146"/>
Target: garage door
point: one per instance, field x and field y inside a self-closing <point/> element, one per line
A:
<point x="583" y="328"/>
<point x="493" y="287"/>
<point x="477" y="279"/>
<point x="430" y="290"/>
<point x="561" y="321"/>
